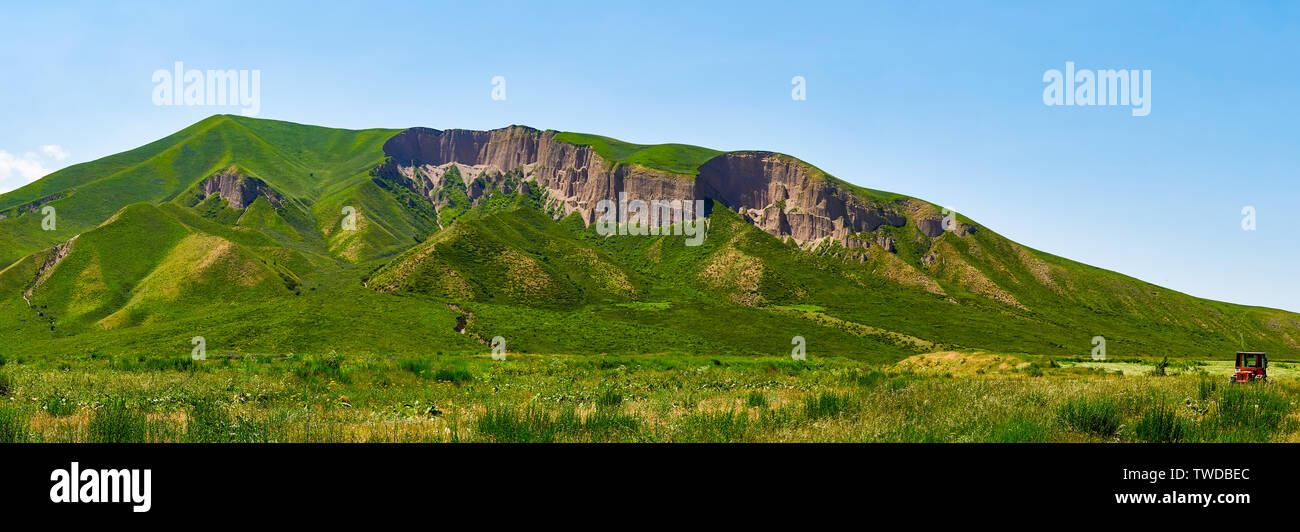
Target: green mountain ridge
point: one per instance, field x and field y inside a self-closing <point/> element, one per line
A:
<point x="271" y="237"/>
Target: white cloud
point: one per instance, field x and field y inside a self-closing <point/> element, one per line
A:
<point x="16" y="171"/>
<point x="29" y="166"/>
<point x="53" y="150"/>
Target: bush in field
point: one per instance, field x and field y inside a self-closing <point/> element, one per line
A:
<point x="1094" y="416"/>
<point x="6" y="385"/>
<point x="454" y="376"/>
<point x="13" y="425"/>
<point x="1161" y="369"/>
<point x="1161" y="424"/>
<point x="756" y="399"/>
<point x="900" y="382"/>
<point x="418" y="367"/>
<point x="117" y="422"/>
<point x="869" y="379"/>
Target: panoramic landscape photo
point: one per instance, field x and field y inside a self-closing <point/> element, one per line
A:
<point x="253" y="280"/>
<point x="725" y="223"/>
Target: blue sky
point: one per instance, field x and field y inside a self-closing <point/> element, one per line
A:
<point x="942" y="101"/>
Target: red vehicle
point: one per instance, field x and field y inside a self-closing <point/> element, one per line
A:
<point x="1251" y="366"/>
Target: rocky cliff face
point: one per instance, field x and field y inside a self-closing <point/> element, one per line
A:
<point x="239" y="190"/>
<point x="780" y="194"/>
<point x="787" y="197"/>
<point x="574" y="178"/>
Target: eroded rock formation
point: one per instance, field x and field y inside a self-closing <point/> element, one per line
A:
<point x="788" y="197"/>
<point x="780" y="194"/>
<point x="239" y="190"/>
<point x="55" y="256"/>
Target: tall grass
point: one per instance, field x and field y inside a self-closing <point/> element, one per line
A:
<point x="453" y="375"/>
<point x="534" y="424"/>
<point x="143" y="363"/>
<point x="1099" y="416"/>
<point x="324" y="366"/>
<point x="826" y="405"/>
<point x="13" y="425"/>
<point x="624" y="399"/>
<point x="117" y="422"/>
<point x="609" y="424"/>
<point x="424" y="369"/>
<point x="1161" y="424"/>
<point x="610" y="398"/>
<point x="416" y="366"/>
<point x="1206" y="386"/>
<point x="720" y="426"/>
<point x="1252" y="411"/>
<point x="208" y="421"/>
<point x="1021" y="429"/>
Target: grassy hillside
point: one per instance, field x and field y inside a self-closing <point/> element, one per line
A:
<point x="304" y="161"/>
<point x="156" y="260"/>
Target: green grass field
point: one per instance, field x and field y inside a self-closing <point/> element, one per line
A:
<point x="646" y="398"/>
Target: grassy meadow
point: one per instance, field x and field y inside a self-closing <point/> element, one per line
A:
<point x="942" y="397"/>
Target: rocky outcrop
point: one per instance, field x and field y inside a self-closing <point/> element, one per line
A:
<point x="786" y="196"/>
<point x="52" y="259"/>
<point x="781" y="195"/>
<point x="931" y="227"/>
<point x="573" y="177"/>
<point x="237" y="189"/>
<point x="31" y="206"/>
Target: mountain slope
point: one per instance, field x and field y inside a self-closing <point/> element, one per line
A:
<point x="276" y="237"/>
<point x="303" y="161"/>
